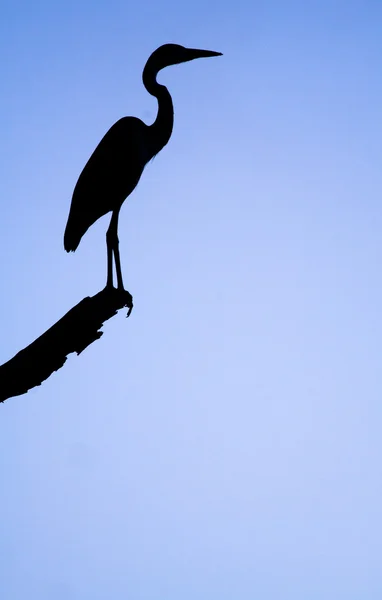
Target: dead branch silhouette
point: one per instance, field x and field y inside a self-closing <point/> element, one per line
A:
<point x="72" y="333"/>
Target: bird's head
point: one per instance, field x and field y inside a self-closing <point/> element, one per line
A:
<point x="173" y="54"/>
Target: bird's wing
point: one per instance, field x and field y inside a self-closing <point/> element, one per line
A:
<point x="109" y="176"/>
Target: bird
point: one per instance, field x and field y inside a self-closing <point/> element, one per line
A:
<point x="116" y="165"/>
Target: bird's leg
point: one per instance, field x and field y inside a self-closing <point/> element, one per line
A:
<point x="113" y="248"/>
<point x="109" y="244"/>
<point x="118" y="261"/>
<point x="109" y="282"/>
<point x="118" y="265"/>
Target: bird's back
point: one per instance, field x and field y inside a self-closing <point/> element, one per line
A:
<point x="110" y="175"/>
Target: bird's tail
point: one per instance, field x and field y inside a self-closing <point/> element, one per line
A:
<point x="79" y="220"/>
<point x="72" y="236"/>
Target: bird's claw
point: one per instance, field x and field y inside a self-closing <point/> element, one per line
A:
<point x="130" y="307"/>
<point x="129" y="300"/>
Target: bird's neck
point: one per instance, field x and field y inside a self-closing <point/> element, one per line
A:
<point x="161" y="129"/>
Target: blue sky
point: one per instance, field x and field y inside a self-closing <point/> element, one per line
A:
<point x="224" y="442"/>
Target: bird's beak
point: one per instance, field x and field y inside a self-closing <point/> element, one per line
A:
<point x="194" y="53"/>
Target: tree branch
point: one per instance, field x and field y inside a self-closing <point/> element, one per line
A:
<point x="72" y="333"/>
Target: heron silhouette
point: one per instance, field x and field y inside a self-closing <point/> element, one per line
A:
<point x="116" y="165"/>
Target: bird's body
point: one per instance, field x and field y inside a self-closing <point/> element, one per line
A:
<point x="108" y="178"/>
<point x="116" y="165"/>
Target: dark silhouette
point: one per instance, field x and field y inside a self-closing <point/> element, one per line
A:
<point x="110" y="175"/>
<point x="73" y="333"/>
<point x="116" y="165"/>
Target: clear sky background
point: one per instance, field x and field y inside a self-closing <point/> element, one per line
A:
<point x="225" y="441"/>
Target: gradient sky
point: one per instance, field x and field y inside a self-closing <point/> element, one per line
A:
<point x="224" y="443"/>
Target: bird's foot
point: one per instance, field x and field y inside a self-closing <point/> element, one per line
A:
<point x="128" y="300"/>
<point x="127" y="297"/>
